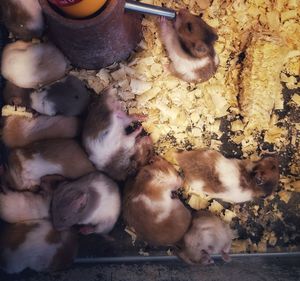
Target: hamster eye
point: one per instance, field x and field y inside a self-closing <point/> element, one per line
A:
<point x="273" y="167"/>
<point x="103" y="134"/>
<point x="189" y="27"/>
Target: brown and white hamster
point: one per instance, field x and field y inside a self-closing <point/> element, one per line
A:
<point x="19" y="131"/>
<point x="232" y="180"/>
<point x="23" y="206"/>
<point x="207" y="235"/>
<point x="68" y="97"/>
<point x="23" y="18"/>
<point x="36" y="245"/>
<point x="105" y="139"/>
<point x="27" y="165"/>
<point x="92" y="201"/>
<point x="150" y="208"/>
<point x="14" y="95"/>
<point x="189" y="42"/>
<point x="31" y="65"/>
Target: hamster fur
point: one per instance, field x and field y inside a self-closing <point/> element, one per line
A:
<point x="92" y="201"/>
<point x="148" y="206"/>
<point x="36" y="245"/>
<point x="189" y="43"/>
<point x="207" y="235"/>
<point x="27" y="165"/>
<point x="232" y="180"/>
<point x="20" y="131"/>
<point x="31" y="65"/>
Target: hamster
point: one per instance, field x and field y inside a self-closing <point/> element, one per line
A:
<point x="149" y="207"/>
<point x="207" y="235"/>
<point x="105" y="139"/>
<point x="23" y="206"/>
<point x="231" y="180"/>
<point x="19" y="131"/>
<point x="27" y="165"/>
<point x="189" y="42"/>
<point x="92" y="201"/>
<point x="23" y="18"/>
<point x="31" y="65"/>
<point x="68" y="96"/>
<point x="36" y="245"/>
<point x="14" y="95"/>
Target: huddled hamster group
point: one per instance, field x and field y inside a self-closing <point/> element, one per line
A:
<point x="67" y="163"/>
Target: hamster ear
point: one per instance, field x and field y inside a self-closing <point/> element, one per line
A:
<point x="77" y="200"/>
<point x="259" y="180"/>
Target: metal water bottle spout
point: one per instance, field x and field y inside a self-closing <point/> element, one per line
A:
<point x="143" y="8"/>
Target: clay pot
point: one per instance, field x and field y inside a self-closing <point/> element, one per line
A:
<point x="96" y="42"/>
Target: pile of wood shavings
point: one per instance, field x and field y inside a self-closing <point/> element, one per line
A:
<point x="242" y="111"/>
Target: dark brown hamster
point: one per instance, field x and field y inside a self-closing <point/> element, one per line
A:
<point x="68" y="97"/>
<point x="19" y="131"/>
<point x="29" y="164"/>
<point x="232" y="180"/>
<point x="36" y="245"/>
<point x="23" y="18"/>
<point x="92" y="201"/>
<point x="189" y="42"/>
<point x="207" y="235"/>
<point x="105" y="139"/>
<point x="149" y="207"/>
<point x="14" y="95"/>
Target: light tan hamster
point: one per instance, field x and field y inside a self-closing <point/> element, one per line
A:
<point x="23" y="206"/>
<point x="31" y="65"/>
<point x="19" y="131"/>
<point x="207" y="235"/>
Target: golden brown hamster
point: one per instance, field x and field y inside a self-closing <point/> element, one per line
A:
<point x="189" y="42"/>
<point x="149" y="206"/>
<point x="19" y="131"/>
<point x="29" y="164"/>
<point x="207" y="235"/>
<point x="232" y="180"/>
<point x="36" y="245"/>
<point x="92" y="201"/>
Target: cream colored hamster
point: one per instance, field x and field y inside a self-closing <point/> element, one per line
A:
<point x="31" y="65"/>
<point x="207" y="235"/>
